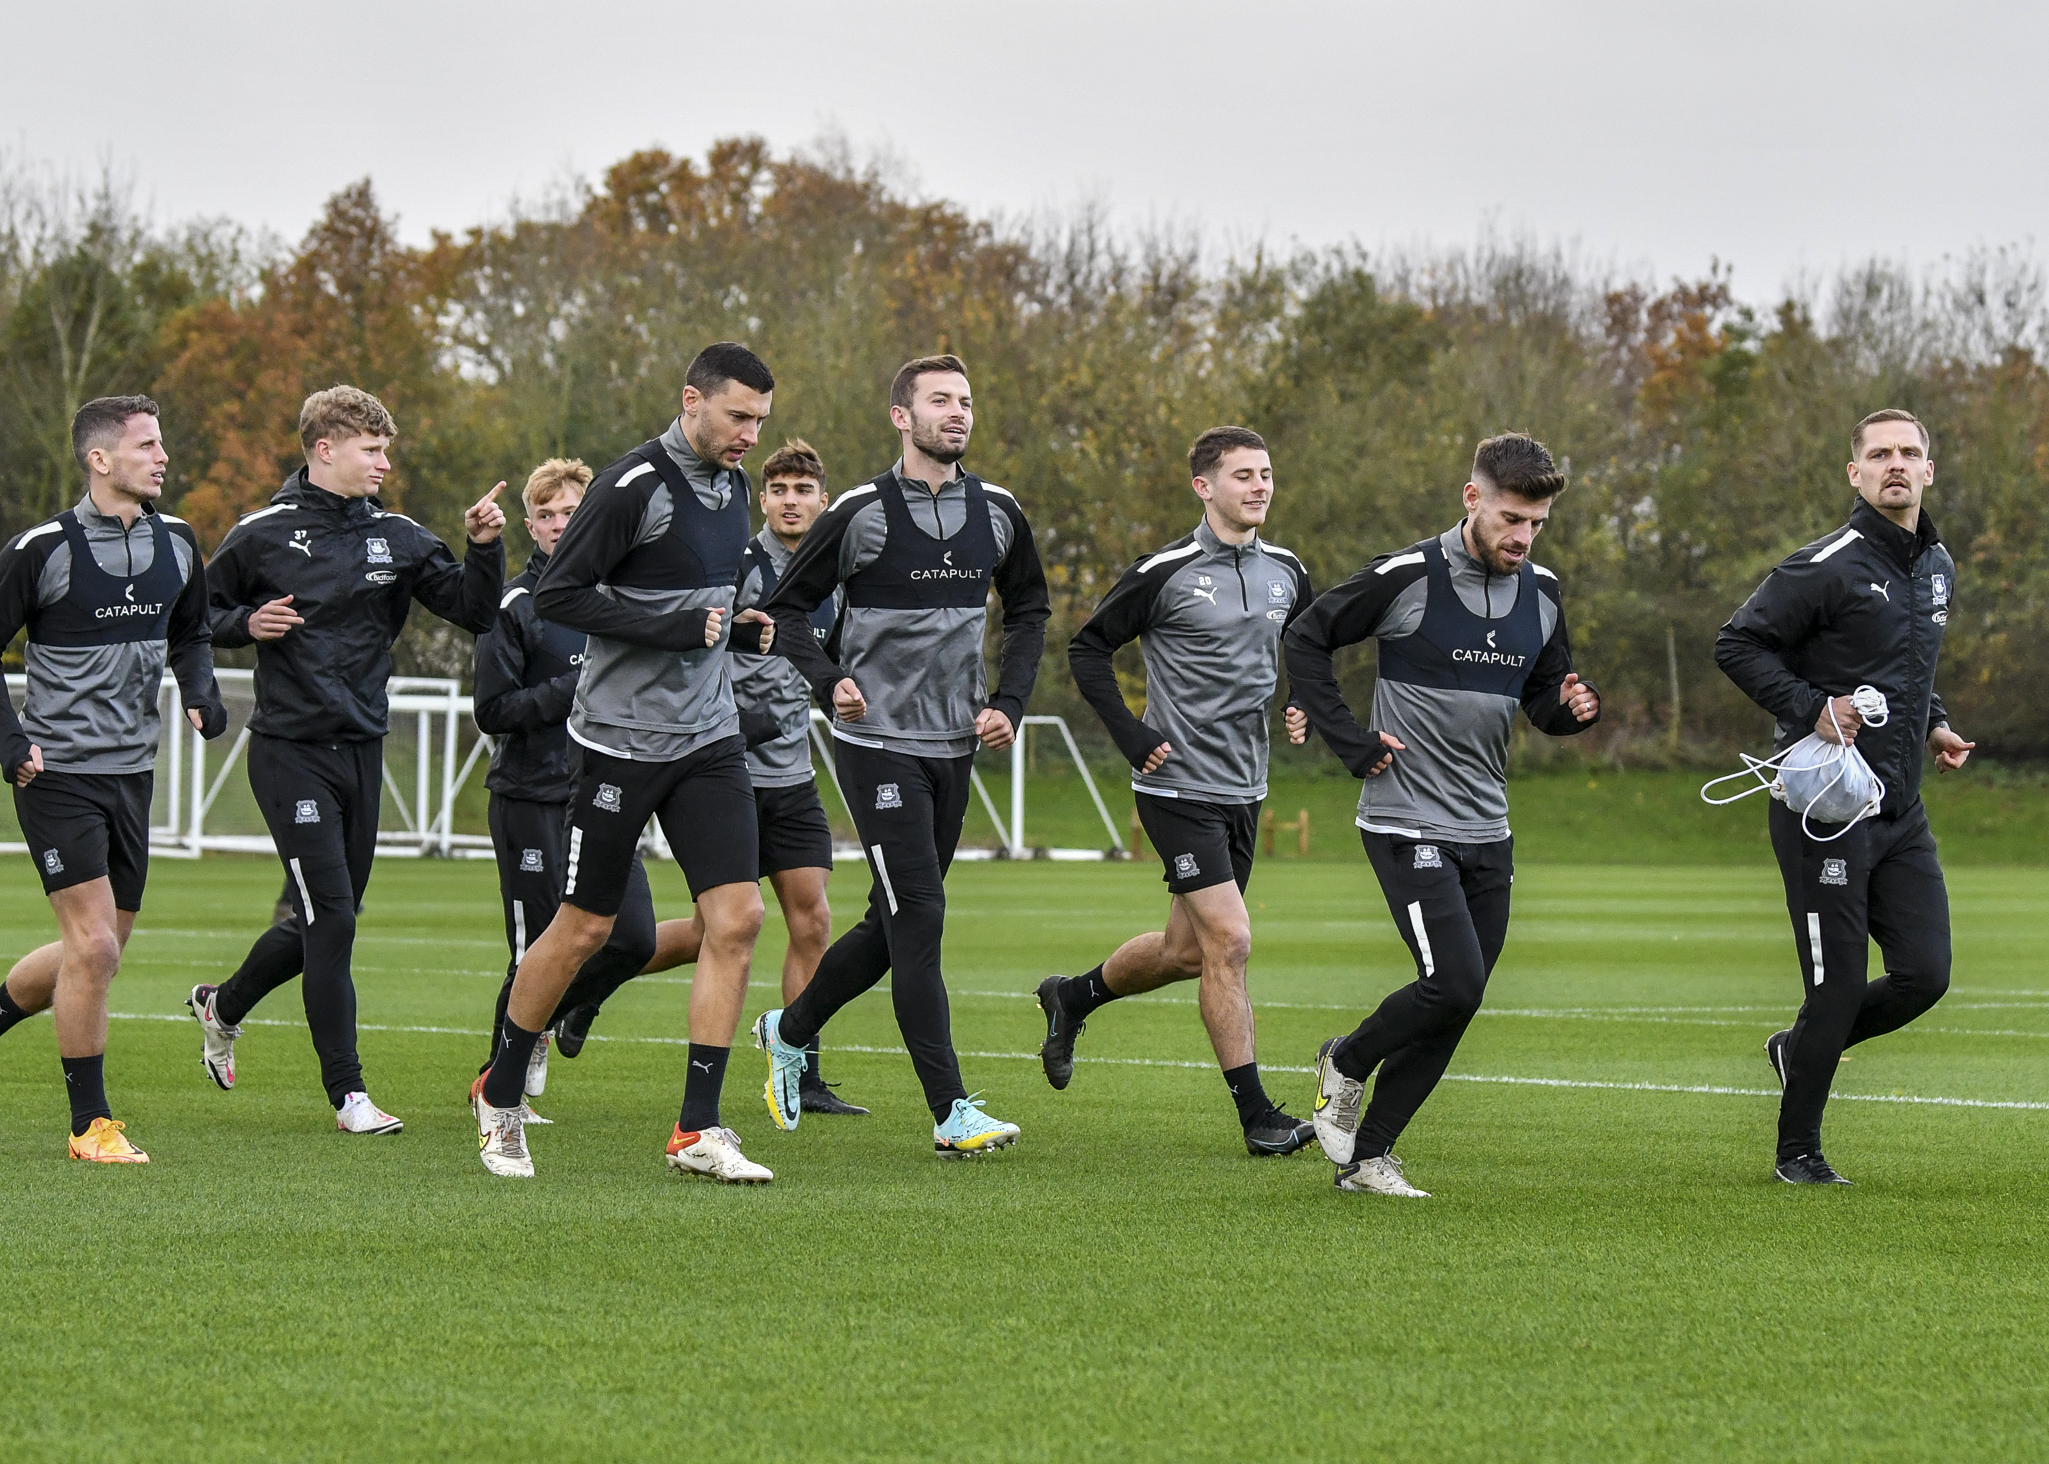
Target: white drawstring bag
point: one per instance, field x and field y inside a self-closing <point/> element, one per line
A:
<point x="1820" y="780"/>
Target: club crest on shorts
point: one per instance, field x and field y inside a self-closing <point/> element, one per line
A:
<point x="609" y="798"/>
<point x="1835" y="871"/>
<point x="53" y="862"/>
<point x="1185" y="866"/>
<point x="530" y="861"/>
<point x="307" y="811"/>
<point x="1428" y="856"/>
<point x="887" y="795"/>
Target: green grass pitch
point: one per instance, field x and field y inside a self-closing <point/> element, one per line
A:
<point x="1607" y="1270"/>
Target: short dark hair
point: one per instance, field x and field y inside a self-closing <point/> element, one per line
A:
<point x="1209" y="449"/>
<point x="1890" y="414"/>
<point x="796" y="458"/>
<point x="1517" y="463"/>
<point x="99" y="422"/>
<point x="726" y="361"/>
<point x="905" y="386"/>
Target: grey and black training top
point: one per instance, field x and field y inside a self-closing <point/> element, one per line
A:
<point x="1459" y="647"/>
<point x="917" y="567"/>
<point x="1209" y="617"/>
<point x="774" y="701"/>
<point x="106" y="605"/>
<point x="651" y="551"/>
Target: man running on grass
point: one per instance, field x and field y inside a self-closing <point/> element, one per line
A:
<point x="647" y="570"/>
<point x="918" y="550"/>
<point x="1864" y="605"/>
<point x="526" y="682"/>
<point x="775" y="717"/>
<point x="1468" y="628"/>
<point x="111" y="591"/>
<point x="1210" y="609"/>
<point x="321" y="582"/>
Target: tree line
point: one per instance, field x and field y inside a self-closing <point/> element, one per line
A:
<point x="1705" y="436"/>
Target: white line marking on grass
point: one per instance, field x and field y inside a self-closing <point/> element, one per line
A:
<point x="1163" y="1062"/>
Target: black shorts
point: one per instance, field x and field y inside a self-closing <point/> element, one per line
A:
<point x="1201" y="844"/>
<point x="81" y="827"/>
<point x="705" y="802"/>
<point x="792" y="829"/>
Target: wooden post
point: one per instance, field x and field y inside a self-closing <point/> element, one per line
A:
<point x="1137" y="846"/>
<point x="1302" y="829"/>
<point x="1266" y="831"/>
<point x="1298" y="826"/>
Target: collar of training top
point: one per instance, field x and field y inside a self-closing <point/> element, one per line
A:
<point x="700" y="473"/>
<point x="537" y="563"/>
<point x="93" y="521"/>
<point x="957" y="484"/>
<point x="1461" y="558"/>
<point x="303" y="491"/>
<point x="1899" y="543"/>
<point x="1212" y="543"/>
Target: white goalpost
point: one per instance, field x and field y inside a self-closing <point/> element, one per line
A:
<point x="435" y="717"/>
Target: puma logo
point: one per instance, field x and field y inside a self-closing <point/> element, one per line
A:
<point x="1885" y="591"/>
<point x="1201" y="594"/>
<point x="696" y="1064"/>
<point x="302" y="546"/>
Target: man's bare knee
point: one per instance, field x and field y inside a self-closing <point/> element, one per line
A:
<point x="581" y="930"/>
<point x="732" y="915"/>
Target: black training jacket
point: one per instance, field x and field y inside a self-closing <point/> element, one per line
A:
<point x="526" y="681"/>
<point x="353" y="569"/>
<point x="1865" y="604"/>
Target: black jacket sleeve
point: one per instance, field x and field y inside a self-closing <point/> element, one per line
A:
<point x="1305" y="596"/>
<point x="1120" y="619"/>
<point x="1021" y="586"/>
<point x="504" y="702"/>
<point x="21" y="567"/>
<point x="1794" y="601"/>
<point x="808" y="581"/>
<point x="1541" y="705"/>
<point x="603" y="532"/>
<point x="464" y="594"/>
<point x="190" y="645"/>
<point x="1340" y="617"/>
<point x="1937" y="715"/>
<point x="231" y="597"/>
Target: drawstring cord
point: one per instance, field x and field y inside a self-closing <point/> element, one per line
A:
<point x="1871" y="708"/>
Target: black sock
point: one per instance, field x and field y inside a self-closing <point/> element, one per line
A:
<point x="85" y="1080"/>
<point x="505" y="1083"/>
<point x="1247" y="1093"/>
<point x="9" y="1012"/>
<point x="811" y="1078"/>
<point x="1083" y="994"/>
<point x="701" y="1084"/>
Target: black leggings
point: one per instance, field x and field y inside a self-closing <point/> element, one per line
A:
<point x="1450" y="902"/>
<point x="1880" y="880"/>
<point x="320" y="801"/>
<point x="531" y="840"/>
<point x="909" y="812"/>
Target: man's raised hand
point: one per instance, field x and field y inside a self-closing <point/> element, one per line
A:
<point x="485" y="518"/>
<point x="1839" y="722"/>
<point x="1576" y="694"/>
<point x="1297" y="722"/>
<point x="848" y="702"/>
<point x="268" y="622"/>
<point x="1157" y="756"/>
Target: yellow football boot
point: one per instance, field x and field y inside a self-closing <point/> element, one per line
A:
<point x="104" y="1143"/>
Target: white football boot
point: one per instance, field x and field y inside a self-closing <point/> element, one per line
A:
<point x="358" y="1115"/>
<point x="715" y="1154"/>
<point x="217" y="1038"/>
<point x="1336" y="1114"/>
<point x="1380" y="1175"/>
<point x="501" y="1136"/>
<point x="537" y="1068"/>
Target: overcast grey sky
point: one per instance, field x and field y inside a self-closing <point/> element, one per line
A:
<point x="1779" y="137"/>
